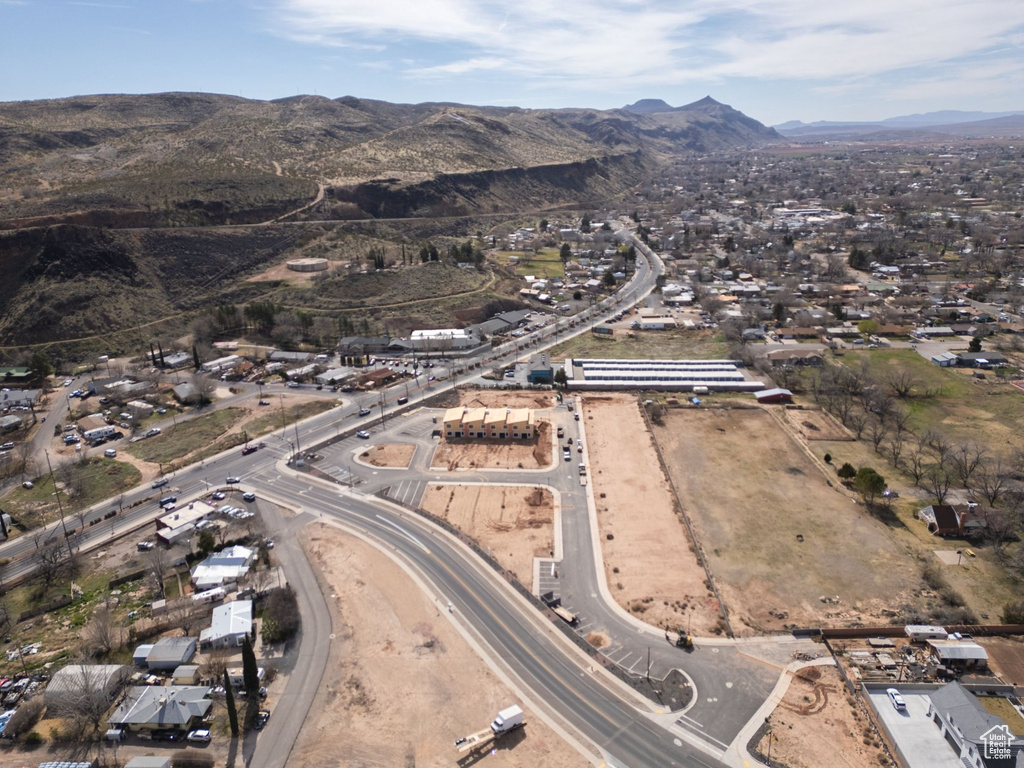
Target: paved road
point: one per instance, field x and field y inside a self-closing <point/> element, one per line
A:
<point x="510" y="627"/>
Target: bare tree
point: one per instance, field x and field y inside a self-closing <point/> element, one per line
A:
<point x="900" y="421"/>
<point x="856" y="421"/>
<point x="938" y="445"/>
<point x="965" y="460"/>
<point x="938" y="481"/>
<point x="104" y="633"/>
<point x="87" y="700"/>
<point x="216" y="662"/>
<point x="877" y="433"/>
<point x="901" y="382"/>
<point x="896" y="448"/>
<point x="185" y="615"/>
<point x="913" y="464"/>
<point x="157" y="564"/>
<point x="53" y="561"/>
<point x="992" y="480"/>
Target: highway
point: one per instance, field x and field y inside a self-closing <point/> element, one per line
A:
<point x="554" y="672"/>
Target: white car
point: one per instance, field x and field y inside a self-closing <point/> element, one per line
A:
<point x="897" y="700"/>
<point x="202" y="734"/>
<point x="67" y="382"/>
<point x="363" y="434"/>
<point x="110" y="453"/>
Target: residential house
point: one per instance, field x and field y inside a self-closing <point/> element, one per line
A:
<point x="795" y="357"/>
<point x="972" y="730"/>
<point x="224" y="567"/>
<point x="951" y="520"/>
<point x="158" y="707"/>
<point x="959" y="654"/>
<point x="229" y="625"/>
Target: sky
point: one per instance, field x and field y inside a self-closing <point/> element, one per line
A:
<point x="775" y="61"/>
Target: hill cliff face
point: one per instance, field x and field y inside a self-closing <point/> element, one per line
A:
<point x="178" y="158"/>
<point x="108" y="201"/>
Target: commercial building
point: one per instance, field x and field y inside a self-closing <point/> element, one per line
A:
<point x="673" y="375"/>
<point x="490" y="423"/>
<point x="444" y="339"/>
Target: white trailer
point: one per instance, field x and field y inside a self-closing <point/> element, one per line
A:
<point x="508" y="720"/>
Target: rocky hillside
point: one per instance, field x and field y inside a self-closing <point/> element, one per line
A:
<point x="199" y="159"/>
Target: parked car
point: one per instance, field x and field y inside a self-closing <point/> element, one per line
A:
<point x="363" y="434"/>
<point x="110" y="453"/>
<point x="67" y="382"/>
<point x="261" y="719"/>
<point x="218" y="496"/>
<point x="145" y="546"/>
<point x="250" y="496"/>
<point x="896" y="699"/>
<point x="153" y="432"/>
<point x="201" y="735"/>
<point x="264" y="402"/>
<point x="27" y="485"/>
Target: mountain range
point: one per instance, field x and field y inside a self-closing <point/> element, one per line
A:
<point x="947" y="122"/>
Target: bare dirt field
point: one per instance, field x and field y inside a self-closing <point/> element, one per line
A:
<point x="777" y="537"/>
<point x="515" y="522"/>
<point x="816" y="425"/>
<point x="496" y="454"/>
<point x="816" y="723"/>
<point x="489" y="398"/>
<point x="401" y="683"/>
<point x="649" y="564"/>
<point x="1006" y="657"/>
<point x="281" y="272"/>
<point x="397" y="455"/>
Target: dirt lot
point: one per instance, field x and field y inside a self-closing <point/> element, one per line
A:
<point x="816" y="425"/>
<point x="488" y="398"/>
<point x="817" y="724"/>
<point x="1006" y="657"/>
<point x="650" y="567"/>
<point x="515" y="522"/>
<point x="402" y="684"/>
<point x="778" y="538"/>
<point x="389" y="455"/>
<point x="496" y="454"/>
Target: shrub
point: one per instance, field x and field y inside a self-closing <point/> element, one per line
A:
<point x="25" y="718"/>
<point x="281" y="616"/>
<point x="33" y="739"/>
<point x="1013" y="613"/>
<point x="828" y="458"/>
<point x="192" y="761"/>
<point x="847" y="471"/>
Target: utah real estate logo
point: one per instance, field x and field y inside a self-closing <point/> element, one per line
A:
<point x="996" y="742"/>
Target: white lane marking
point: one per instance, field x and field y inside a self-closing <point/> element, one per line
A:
<point x="404" y="532"/>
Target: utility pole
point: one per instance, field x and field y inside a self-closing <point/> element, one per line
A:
<point x="56" y="492"/>
<point x="382" y="420"/>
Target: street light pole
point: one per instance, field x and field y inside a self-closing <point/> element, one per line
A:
<point x="60" y="506"/>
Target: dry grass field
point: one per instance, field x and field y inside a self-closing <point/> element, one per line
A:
<point x="395" y="455"/>
<point x="778" y="538"/>
<point x="515" y="522"/>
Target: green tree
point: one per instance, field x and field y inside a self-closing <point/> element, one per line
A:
<point x="609" y="278"/>
<point x="870" y="327"/>
<point x="779" y="311"/>
<point x="206" y="542"/>
<point x="974" y="345"/>
<point x="39" y="365"/>
<point x="585" y="223"/>
<point x="565" y="252"/>
<point x="847" y="471"/>
<point x="858" y="259"/>
<point x="543" y="225"/>
<point x="229" y="700"/>
<point x="251" y="681"/>
<point x="577" y="295"/>
<point x="560" y="378"/>
<point x="195" y="358"/>
<point x="869" y="484"/>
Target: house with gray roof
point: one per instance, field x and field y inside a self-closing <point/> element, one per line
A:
<point x="983" y="739"/>
<point x="152" y="707"/>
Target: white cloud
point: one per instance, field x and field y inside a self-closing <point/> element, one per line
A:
<point x="637" y="43"/>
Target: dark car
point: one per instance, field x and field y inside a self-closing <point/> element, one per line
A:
<point x="249" y="449"/>
<point x="261" y="719"/>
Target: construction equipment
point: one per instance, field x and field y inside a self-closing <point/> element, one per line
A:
<point x="684" y="640"/>
<point x="508" y="720"/>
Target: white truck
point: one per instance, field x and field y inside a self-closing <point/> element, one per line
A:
<point x="508" y="719"/>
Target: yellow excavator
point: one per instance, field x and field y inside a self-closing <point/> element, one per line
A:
<point x="684" y="640"/>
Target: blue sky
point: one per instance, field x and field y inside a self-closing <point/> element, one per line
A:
<point x="775" y="61"/>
